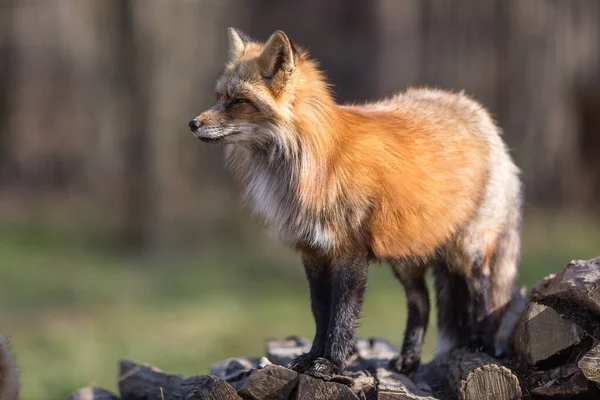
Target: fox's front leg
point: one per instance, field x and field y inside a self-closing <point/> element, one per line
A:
<point x="484" y="320"/>
<point x="348" y="282"/>
<point x="318" y="274"/>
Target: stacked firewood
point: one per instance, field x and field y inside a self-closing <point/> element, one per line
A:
<point x="555" y="337"/>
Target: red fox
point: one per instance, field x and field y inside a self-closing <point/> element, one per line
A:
<point x="9" y="382"/>
<point x="422" y="178"/>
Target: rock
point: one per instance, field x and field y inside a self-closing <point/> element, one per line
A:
<point x="281" y="352"/>
<point x="577" y="285"/>
<point x="543" y="333"/>
<point x="590" y="364"/>
<point x="93" y="393"/>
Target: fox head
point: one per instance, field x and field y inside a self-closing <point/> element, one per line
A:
<point x="258" y="94"/>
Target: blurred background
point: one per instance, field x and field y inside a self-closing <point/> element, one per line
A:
<point x="121" y="235"/>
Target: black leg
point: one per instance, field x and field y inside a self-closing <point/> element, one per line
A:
<point x="412" y="277"/>
<point x="318" y="274"/>
<point x="348" y="282"/>
<point x="454" y="308"/>
<point x="483" y="318"/>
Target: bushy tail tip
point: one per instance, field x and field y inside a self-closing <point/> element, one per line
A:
<point x="9" y="380"/>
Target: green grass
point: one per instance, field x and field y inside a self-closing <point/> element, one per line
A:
<point x="73" y="309"/>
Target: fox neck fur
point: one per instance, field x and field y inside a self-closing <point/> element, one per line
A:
<point x="289" y="182"/>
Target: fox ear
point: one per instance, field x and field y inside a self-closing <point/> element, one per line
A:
<point x="237" y="43"/>
<point x="277" y="56"/>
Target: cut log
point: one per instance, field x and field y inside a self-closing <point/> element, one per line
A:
<point x="272" y="382"/>
<point x="232" y="366"/>
<point x="564" y="382"/>
<point x="392" y="385"/>
<point x="207" y="387"/>
<point x="575" y="387"/>
<point x="543" y="333"/>
<point x="547" y="378"/>
<point x="317" y="389"/>
<point x="142" y="382"/>
<point x="371" y="353"/>
<point x="281" y="352"/>
<point x="470" y="376"/>
<point x="93" y="393"/>
<point x="590" y="364"/>
<point x="377" y="348"/>
<point x="576" y="286"/>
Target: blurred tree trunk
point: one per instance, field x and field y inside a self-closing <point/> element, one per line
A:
<point x="132" y="84"/>
<point x="192" y="192"/>
<point x="553" y="50"/>
<point x="401" y="49"/>
<point x="343" y="37"/>
<point x="587" y="97"/>
<point x="7" y="72"/>
<point x="459" y="47"/>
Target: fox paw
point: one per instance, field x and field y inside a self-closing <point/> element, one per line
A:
<point x="406" y="365"/>
<point x="475" y="344"/>
<point x="478" y="344"/>
<point x="325" y="367"/>
<point x="302" y="363"/>
<point x="327" y="370"/>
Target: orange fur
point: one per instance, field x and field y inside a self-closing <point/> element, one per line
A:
<point x="399" y="177"/>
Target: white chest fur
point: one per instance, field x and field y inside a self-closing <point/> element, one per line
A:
<point x="270" y="190"/>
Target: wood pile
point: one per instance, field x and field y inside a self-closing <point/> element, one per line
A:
<point x="555" y="337"/>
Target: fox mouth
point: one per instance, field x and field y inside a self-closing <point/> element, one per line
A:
<point x="214" y="139"/>
<point x="211" y="133"/>
<point x="211" y="140"/>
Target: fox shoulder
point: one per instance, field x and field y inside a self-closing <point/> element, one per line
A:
<point x="9" y="381"/>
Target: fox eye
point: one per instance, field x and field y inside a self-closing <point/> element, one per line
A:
<point x="239" y="101"/>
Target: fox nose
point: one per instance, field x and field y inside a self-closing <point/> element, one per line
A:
<point x="195" y="124"/>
